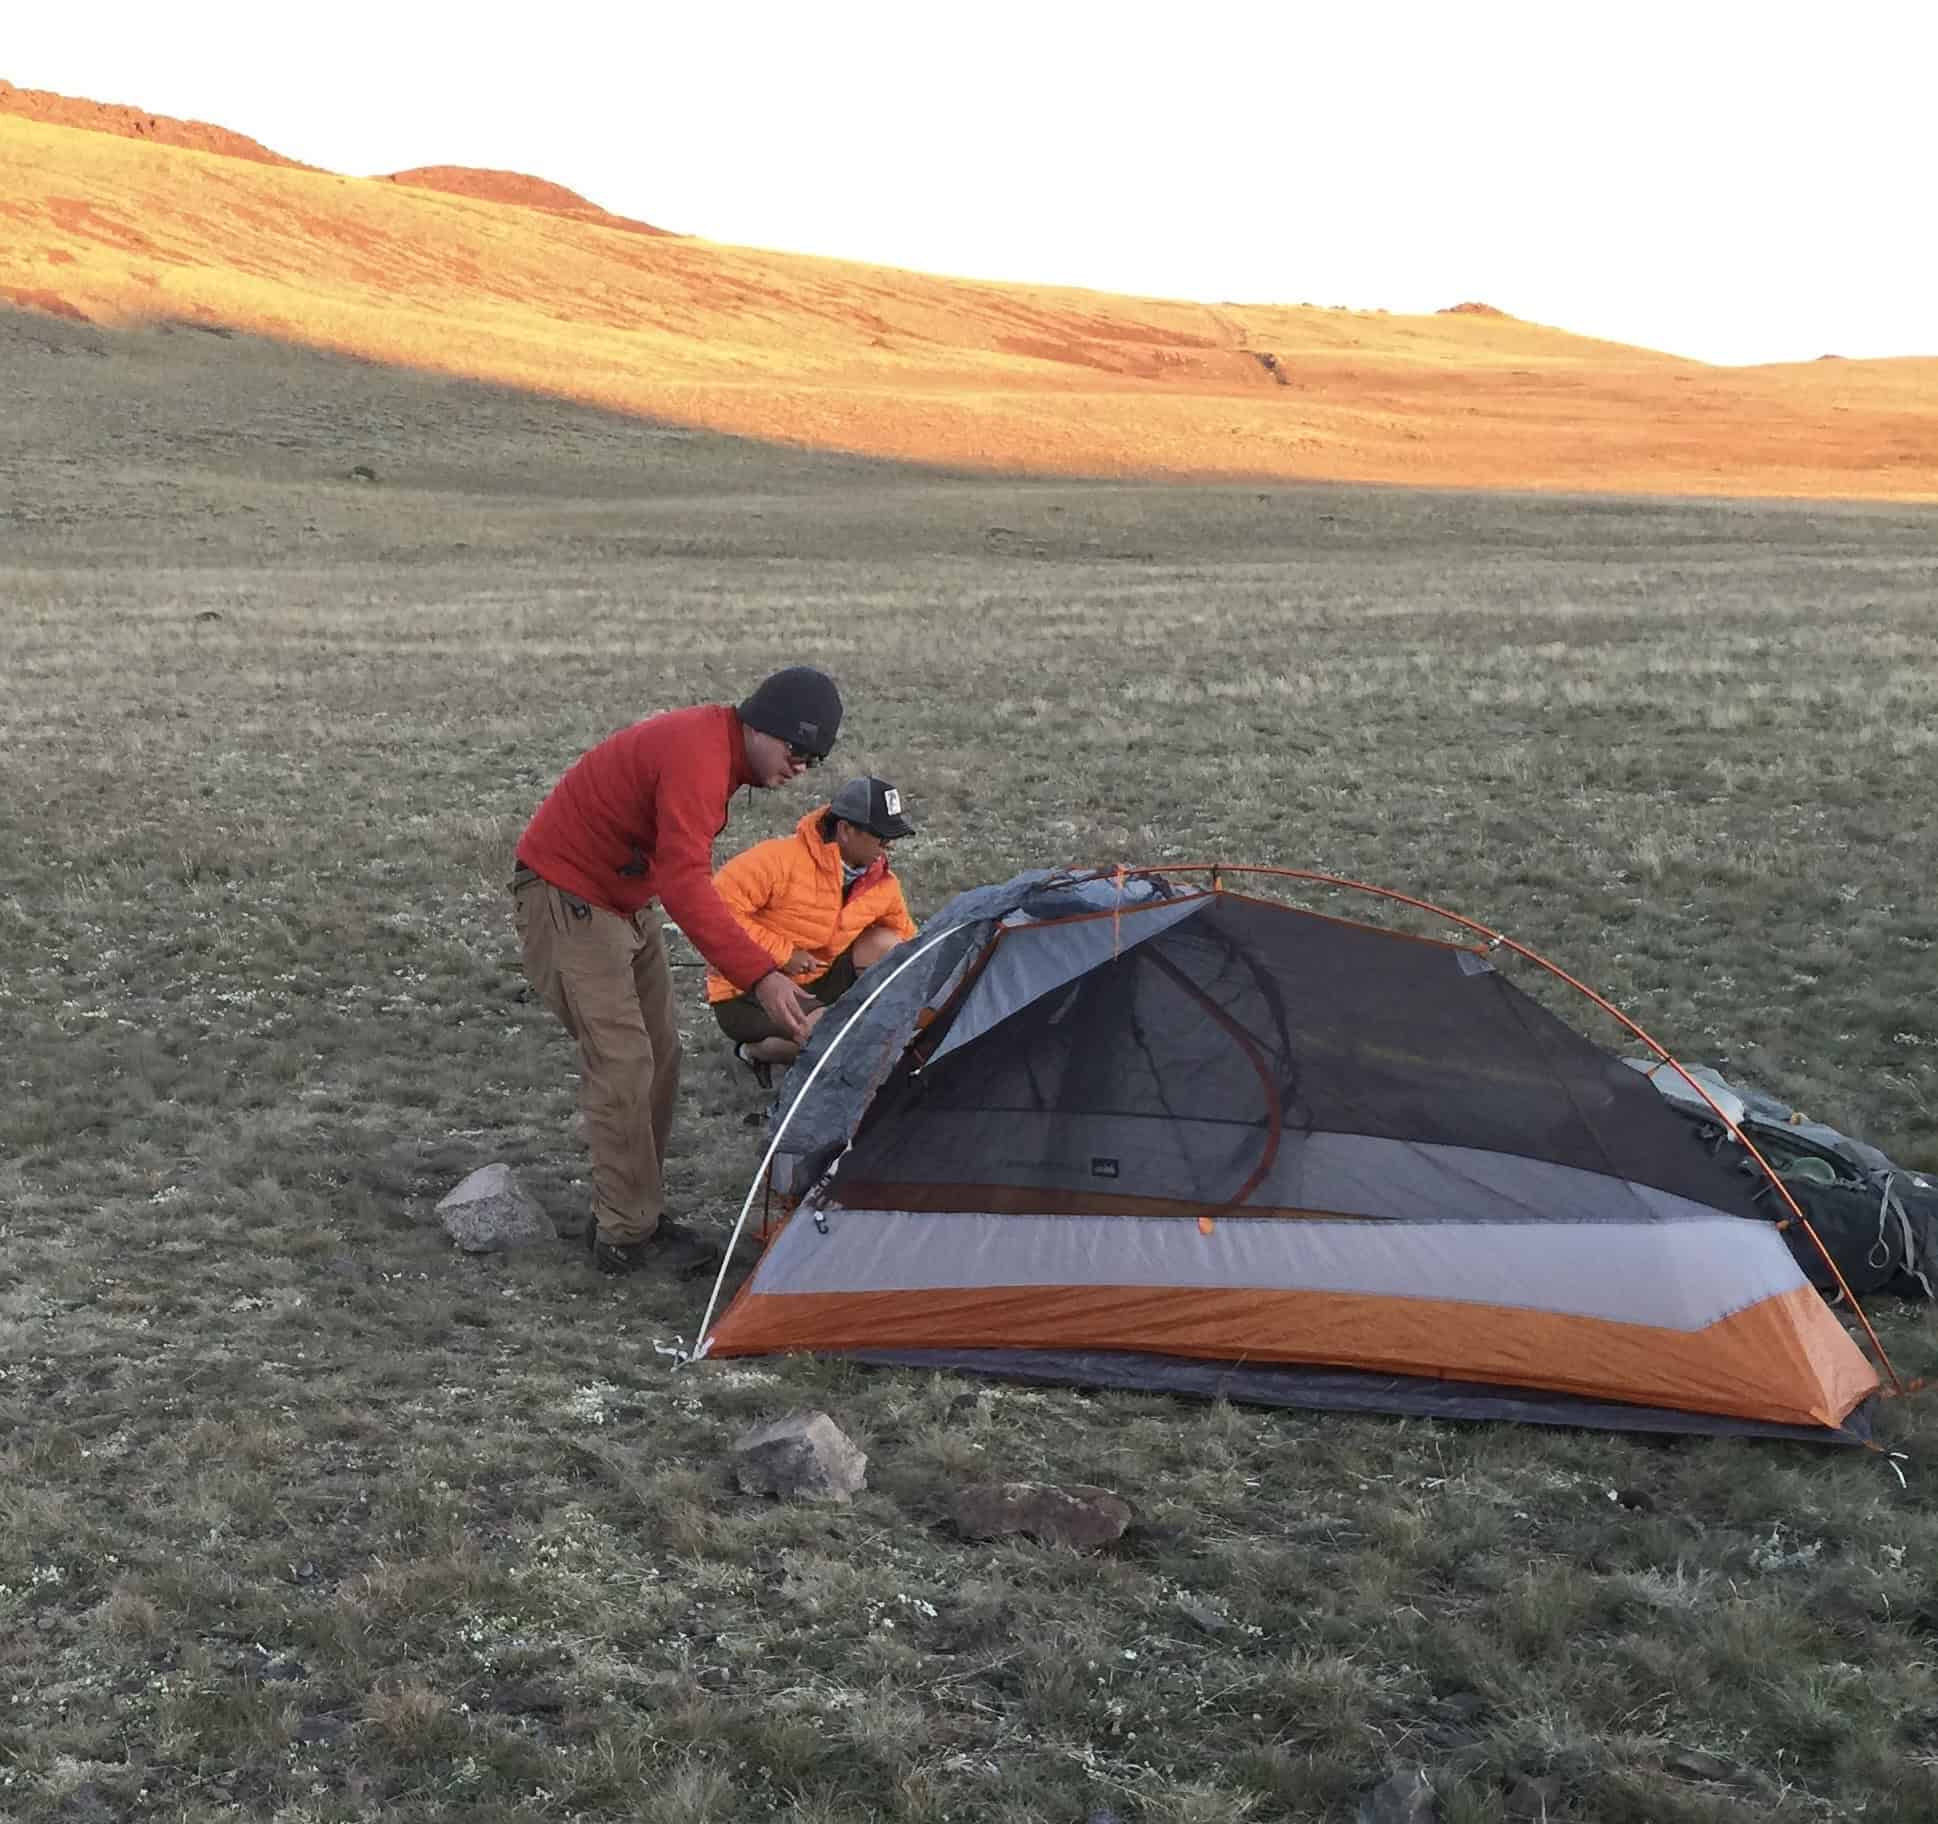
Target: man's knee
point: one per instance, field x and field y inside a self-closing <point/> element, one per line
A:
<point x="744" y="1021"/>
<point x="874" y="944"/>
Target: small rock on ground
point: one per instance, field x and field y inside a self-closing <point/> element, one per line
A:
<point x="1203" y="1615"/>
<point x="1404" y="1798"/>
<point x="1078" y="1515"/>
<point x="805" y="1456"/>
<point x="1534" y="1796"/>
<point x="491" y="1210"/>
<point x="1697" y="1764"/>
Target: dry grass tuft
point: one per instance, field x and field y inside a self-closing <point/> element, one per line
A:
<point x="411" y="1716"/>
<point x="132" y="1614"/>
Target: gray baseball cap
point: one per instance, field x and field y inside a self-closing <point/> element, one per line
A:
<point x="872" y="805"/>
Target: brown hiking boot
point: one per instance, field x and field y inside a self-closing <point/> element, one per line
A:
<point x="613" y="1258"/>
<point x="674" y="1248"/>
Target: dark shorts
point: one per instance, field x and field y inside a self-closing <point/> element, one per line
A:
<point x="745" y="1021"/>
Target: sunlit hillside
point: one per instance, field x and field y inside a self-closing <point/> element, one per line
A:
<point x="820" y="352"/>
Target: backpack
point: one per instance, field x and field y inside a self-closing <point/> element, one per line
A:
<point x="1877" y="1220"/>
<point x="1883" y="1236"/>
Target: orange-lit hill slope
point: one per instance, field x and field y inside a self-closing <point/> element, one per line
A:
<point x="828" y="353"/>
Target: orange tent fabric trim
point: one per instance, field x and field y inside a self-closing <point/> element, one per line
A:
<point x="1785" y="1360"/>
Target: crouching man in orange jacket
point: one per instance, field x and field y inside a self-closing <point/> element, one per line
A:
<point x="822" y="904"/>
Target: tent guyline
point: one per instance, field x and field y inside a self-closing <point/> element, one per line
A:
<point x="1499" y="941"/>
<point x="1117" y="1127"/>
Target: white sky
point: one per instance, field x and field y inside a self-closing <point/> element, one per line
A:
<point x="1737" y="180"/>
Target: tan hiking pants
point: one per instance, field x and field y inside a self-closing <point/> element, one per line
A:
<point x="607" y="979"/>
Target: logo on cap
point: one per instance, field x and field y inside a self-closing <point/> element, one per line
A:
<point x="891" y="801"/>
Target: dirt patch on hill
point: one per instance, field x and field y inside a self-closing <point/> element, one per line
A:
<point x="1470" y="309"/>
<point x="516" y="188"/>
<point x="137" y="123"/>
<point x="51" y="303"/>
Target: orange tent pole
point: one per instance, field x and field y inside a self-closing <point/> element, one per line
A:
<point x="1498" y="941"/>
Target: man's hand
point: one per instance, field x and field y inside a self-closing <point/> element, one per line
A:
<point x="802" y="962"/>
<point x="785" y="1005"/>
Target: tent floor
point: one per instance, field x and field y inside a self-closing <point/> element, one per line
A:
<point x="1345" y="1390"/>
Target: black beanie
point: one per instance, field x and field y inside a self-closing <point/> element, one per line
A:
<point x="799" y="706"/>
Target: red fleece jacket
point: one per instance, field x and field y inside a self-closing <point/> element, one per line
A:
<point x="633" y="821"/>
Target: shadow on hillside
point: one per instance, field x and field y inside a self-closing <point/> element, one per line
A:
<point x="209" y="397"/>
<point x="192" y="443"/>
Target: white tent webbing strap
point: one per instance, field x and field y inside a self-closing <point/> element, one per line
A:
<point x="773" y="1146"/>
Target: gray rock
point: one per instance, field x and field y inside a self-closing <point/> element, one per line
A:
<point x="491" y="1210"/>
<point x="1079" y="1515"/>
<point x="1459" y="1723"/>
<point x="274" y="1671"/>
<point x="1535" y="1796"/>
<point x="313" y="1731"/>
<point x="1697" y="1764"/>
<point x="805" y="1456"/>
<point x="90" y="1803"/>
<point x="1204" y="1616"/>
<point x="1405" y="1798"/>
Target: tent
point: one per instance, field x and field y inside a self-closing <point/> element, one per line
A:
<point x="1130" y="1132"/>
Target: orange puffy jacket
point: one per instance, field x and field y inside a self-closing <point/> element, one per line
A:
<point x="786" y="893"/>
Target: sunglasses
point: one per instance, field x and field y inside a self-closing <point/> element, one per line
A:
<point x="800" y="755"/>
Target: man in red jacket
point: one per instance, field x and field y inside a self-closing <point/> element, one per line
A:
<point x="633" y="822"/>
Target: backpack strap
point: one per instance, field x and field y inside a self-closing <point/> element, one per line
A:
<point x="1890" y="1204"/>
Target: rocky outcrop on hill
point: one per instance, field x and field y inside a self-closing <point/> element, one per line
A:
<point x="516" y="188"/>
<point x="198" y="136"/>
<point x="137" y="123"/>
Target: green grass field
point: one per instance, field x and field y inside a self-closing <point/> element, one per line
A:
<point x="305" y="1516"/>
